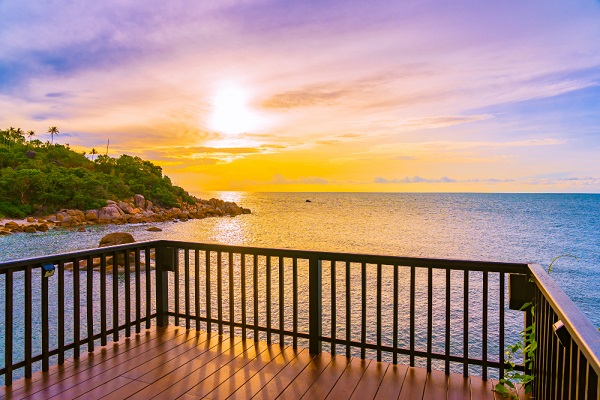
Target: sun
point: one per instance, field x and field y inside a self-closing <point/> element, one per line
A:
<point x="231" y="114"/>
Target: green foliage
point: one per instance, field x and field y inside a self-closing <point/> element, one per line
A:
<point x="58" y="177"/>
<point x="509" y="384"/>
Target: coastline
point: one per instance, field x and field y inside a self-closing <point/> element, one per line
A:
<point x="136" y="210"/>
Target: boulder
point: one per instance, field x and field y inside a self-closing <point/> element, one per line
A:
<point x="110" y="212"/>
<point x="91" y="215"/>
<point x="149" y="205"/>
<point x="81" y="229"/>
<point x="139" y="200"/>
<point x="30" y="229"/>
<point x="154" y="229"/>
<point x="30" y="219"/>
<point x="116" y="238"/>
<point x="30" y="154"/>
<point x="4" y="233"/>
<point x="126" y="207"/>
<point x="42" y="227"/>
<point x="12" y="225"/>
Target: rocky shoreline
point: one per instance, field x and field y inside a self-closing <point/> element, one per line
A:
<point x="136" y="210"/>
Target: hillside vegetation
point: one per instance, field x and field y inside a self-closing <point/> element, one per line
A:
<point x="38" y="178"/>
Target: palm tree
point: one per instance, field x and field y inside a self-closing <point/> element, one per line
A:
<point x="31" y="134"/>
<point x="93" y="152"/>
<point x="53" y="131"/>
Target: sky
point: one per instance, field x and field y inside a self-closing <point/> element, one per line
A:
<point x="258" y="95"/>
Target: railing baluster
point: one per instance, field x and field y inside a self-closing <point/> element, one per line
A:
<point x="115" y="293"/>
<point x="466" y="324"/>
<point x="268" y="297"/>
<point x="243" y="294"/>
<point x="429" y="315"/>
<point x="186" y="284"/>
<point x="148" y="286"/>
<point x="448" y="331"/>
<point x="45" y="324"/>
<point x="412" y="316"/>
<point x="208" y="295"/>
<point x="76" y="308"/>
<point x="103" y="300"/>
<point x="501" y="306"/>
<point x="8" y="328"/>
<point x="379" y="312"/>
<point x="363" y="317"/>
<point x="90" y="304"/>
<point x="295" y="301"/>
<point x="348" y="310"/>
<point x="484" y="328"/>
<point x="127" y="294"/>
<point x="28" y="322"/>
<point x="138" y="291"/>
<point x="197" y="287"/>
<point x="395" y="318"/>
<point x="315" y="304"/>
<point x="220" y="292"/>
<point x="333" y="307"/>
<point x="231" y="296"/>
<point x="61" y="312"/>
<point x="175" y="262"/>
<point x="255" y="290"/>
<point x="281" y="302"/>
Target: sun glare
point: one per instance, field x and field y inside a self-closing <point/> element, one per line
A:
<point x="230" y="112"/>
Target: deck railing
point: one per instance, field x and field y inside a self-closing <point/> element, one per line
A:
<point x="448" y="315"/>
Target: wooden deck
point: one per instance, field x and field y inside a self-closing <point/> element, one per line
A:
<point x="172" y="363"/>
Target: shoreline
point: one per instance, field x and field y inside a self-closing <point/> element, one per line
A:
<point x="136" y="210"/>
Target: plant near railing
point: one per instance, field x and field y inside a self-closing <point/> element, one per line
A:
<point x="513" y="380"/>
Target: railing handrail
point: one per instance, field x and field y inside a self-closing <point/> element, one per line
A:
<point x="585" y="335"/>
<point x="439" y="263"/>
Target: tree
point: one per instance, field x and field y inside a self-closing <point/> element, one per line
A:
<point x="31" y="134"/>
<point x="53" y="131"/>
<point x="93" y="153"/>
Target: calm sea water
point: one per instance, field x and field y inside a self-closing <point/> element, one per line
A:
<point x="496" y="227"/>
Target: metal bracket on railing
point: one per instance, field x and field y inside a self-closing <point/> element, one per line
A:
<point x="561" y="331"/>
<point x="48" y="270"/>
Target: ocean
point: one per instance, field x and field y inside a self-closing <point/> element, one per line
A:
<point x="491" y="227"/>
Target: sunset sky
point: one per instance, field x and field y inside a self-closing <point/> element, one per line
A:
<point x="383" y="96"/>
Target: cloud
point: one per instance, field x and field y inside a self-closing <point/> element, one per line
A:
<point x="414" y="179"/>
<point x="404" y="158"/>
<point x="279" y="179"/>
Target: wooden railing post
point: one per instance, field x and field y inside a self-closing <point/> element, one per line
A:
<point x="315" y="306"/>
<point x="164" y="264"/>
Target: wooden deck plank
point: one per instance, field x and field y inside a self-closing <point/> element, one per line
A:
<point x="41" y="380"/>
<point x="227" y="374"/>
<point x="244" y="374"/>
<point x="110" y="374"/>
<point x="328" y="378"/>
<point x="436" y="387"/>
<point x="224" y="351"/>
<point x="175" y="363"/>
<point x="459" y="387"/>
<point x="256" y="383"/>
<point x="121" y="362"/>
<point x="370" y="381"/>
<point x="306" y="378"/>
<point x="286" y="376"/>
<point x="116" y="366"/>
<point x="413" y="386"/>
<point x="481" y="389"/>
<point x="190" y="348"/>
<point x="392" y="382"/>
<point x="344" y="387"/>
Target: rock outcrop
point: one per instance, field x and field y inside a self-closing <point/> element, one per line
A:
<point x="132" y="211"/>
